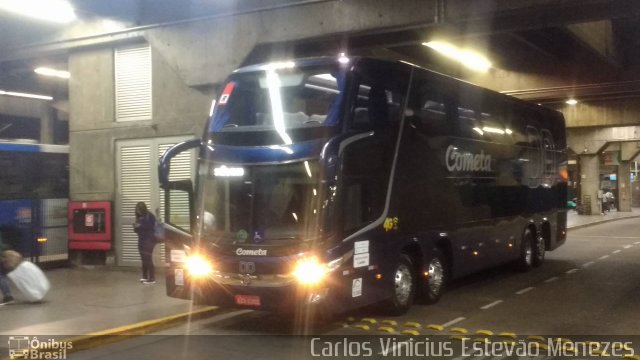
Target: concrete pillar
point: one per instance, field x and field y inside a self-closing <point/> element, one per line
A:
<point x="590" y="180"/>
<point x="623" y="195"/>
<point x="47" y="120"/>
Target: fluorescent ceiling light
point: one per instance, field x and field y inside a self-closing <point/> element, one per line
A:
<point x="571" y="101"/>
<point x="25" y="95"/>
<point x="59" y="11"/>
<point x="493" y="130"/>
<point x="468" y="58"/>
<point x="52" y="72"/>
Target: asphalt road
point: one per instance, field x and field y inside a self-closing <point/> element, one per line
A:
<point x="588" y="287"/>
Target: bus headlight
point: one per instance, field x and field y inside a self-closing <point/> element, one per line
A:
<point x="309" y="271"/>
<point x="198" y="266"/>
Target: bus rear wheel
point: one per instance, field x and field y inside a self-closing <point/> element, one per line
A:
<point x="539" y="250"/>
<point x="525" y="262"/>
<point x="404" y="287"/>
<point x="436" y="277"/>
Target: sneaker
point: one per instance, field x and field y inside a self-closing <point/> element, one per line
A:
<point x="142" y="280"/>
<point x="7" y="300"/>
<point x="149" y="282"/>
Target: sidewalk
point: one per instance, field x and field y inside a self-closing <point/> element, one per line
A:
<point x="83" y="301"/>
<point x="576" y="221"/>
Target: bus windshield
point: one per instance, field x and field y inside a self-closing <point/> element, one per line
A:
<point x="262" y="205"/>
<point x="279" y="101"/>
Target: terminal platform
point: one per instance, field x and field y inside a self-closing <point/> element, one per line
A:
<point x="86" y="300"/>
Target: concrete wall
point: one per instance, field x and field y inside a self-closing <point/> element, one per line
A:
<point x="93" y="131"/>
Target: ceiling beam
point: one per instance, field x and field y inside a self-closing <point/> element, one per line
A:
<point x="597" y="37"/>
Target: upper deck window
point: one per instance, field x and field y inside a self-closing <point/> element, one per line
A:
<point x="280" y="100"/>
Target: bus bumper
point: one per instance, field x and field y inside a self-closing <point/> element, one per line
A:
<point x="289" y="298"/>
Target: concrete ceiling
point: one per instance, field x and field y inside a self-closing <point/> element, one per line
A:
<point x="593" y="43"/>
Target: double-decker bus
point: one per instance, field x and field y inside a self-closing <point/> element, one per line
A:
<point x="342" y="182"/>
<point x="34" y="191"/>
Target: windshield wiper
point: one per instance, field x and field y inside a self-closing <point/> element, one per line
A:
<point x="281" y="238"/>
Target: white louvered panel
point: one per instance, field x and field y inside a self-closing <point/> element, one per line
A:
<point x="135" y="185"/>
<point x="133" y="83"/>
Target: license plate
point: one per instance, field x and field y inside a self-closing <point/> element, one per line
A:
<point x="247" y="300"/>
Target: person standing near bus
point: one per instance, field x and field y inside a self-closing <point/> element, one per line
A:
<point x="4" y="282"/>
<point x="144" y="227"/>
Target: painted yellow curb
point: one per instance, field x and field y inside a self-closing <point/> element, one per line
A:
<point x="459" y="330"/>
<point x="412" y="324"/>
<point x="508" y="335"/>
<point x="121" y="333"/>
<point x="484" y="332"/>
<point x="369" y="320"/>
<point x="435" y="327"/>
<point x="411" y="332"/>
<point x="362" y="327"/>
<point x="390" y="322"/>
<point x="388" y="329"/>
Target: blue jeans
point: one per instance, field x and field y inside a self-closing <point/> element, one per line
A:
<point x="4" y="286"/>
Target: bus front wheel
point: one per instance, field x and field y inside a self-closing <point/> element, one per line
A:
<point x="404" y="286"/>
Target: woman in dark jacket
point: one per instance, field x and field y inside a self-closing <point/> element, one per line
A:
<point x="144" y="227"/>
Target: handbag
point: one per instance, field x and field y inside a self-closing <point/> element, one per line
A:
<point x="158" y="231"/>
<point x="30" y="280"/>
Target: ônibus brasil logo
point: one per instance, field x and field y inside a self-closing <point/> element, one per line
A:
<point x="26" y="347"/>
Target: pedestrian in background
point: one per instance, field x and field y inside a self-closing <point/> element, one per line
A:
<point x="4" y="282"/>
<point x="144" y="227"/>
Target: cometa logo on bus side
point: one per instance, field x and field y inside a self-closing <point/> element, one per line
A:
<point x="252" y="252"/>
<point x="458" y="161"/>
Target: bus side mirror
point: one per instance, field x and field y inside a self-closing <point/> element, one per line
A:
<point x="164" y="165"/>
<point x="178" y="194"/>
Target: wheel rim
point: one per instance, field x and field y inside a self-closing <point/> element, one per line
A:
<point x="403" y="284"/>
<point x="540" y="248"/>
<point x="528" y="250"/>
<point x="436" y="276"/>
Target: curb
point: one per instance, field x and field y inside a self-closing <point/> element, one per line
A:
<point x="142" y="328"/>
<point x="597" y="222"/>
<point x="110" y="336"/>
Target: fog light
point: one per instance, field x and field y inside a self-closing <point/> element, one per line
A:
<point x="198" y="266"/>
<point x="309" y="271"/>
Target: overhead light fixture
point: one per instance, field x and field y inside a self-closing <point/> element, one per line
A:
<point x="25" y="95"/>
<point x="571" y="102"/>
<point x="52" y="72"/>
<point x="58" y="11"/>
<point x="466" y="57"/>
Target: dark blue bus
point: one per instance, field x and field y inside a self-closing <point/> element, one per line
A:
<point x="34" y="192"/>
<point x="338" y="183"/>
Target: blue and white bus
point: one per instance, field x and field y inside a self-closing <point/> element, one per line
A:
<point x="34" y="191"/>
<point x="343" y="182"/>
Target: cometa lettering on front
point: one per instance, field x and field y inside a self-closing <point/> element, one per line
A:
<point x="251" y="252"/>
<point x="466" y="161"/>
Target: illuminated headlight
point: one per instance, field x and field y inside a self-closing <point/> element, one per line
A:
<point x="309" y="271"/>
<point x="198" y="266"/>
